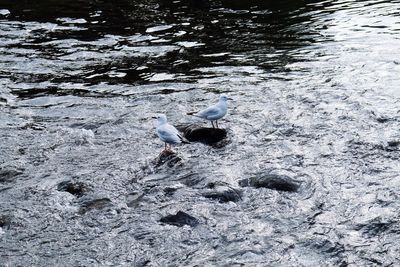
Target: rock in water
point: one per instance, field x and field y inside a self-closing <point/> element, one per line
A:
<point x="180" y="219"/>
<point x="8" y="174"/>
<point x="204" y="135"/>
<point x="5" y="221"/>
<point x="97" y="204"/>
<point x="77" y="189"/>
<point x="272" y="181"/>
<point x="222" y="193"/>
<point x="167" y="157"/>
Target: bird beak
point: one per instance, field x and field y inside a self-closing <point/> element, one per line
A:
<point x="230" y="98"/>
<point x="154" y="117"/>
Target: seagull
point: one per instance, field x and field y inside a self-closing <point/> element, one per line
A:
<point x="214" y="112"/>
<point x="168" y="133"/>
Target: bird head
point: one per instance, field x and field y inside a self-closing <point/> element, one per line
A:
<point x="223" y="98"/>
<point x="161" y="119"/>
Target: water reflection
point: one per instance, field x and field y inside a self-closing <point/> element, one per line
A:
<point x="144" y="42"/>
<point x="315" y="100"/>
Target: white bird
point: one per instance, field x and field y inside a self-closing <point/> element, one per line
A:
<point x="214" y="112"/>
<point x="168" y="133"/>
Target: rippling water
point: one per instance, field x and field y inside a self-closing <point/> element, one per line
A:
<point x="315" y="88"/>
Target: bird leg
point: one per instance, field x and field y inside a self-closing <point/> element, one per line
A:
<point x="212" y="123"/>
<point x="216" y="122"/>
<point x="165" y="147"/>
<point x="168" y="147"/>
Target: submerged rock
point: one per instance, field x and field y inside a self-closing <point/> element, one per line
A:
<point x="393" y="145"/>
<point x="333" y="248"/>
<point x="98" y="204"/>
<point x="191" y="179"/>
<point x="5" y="221"/>
<point x="168" y="157"/>
<point x="134" y="199"/>
<point x="77" y="189"/>
<point x="180" y="219"/>
<point x="377" y="226"/>
<point x="7" y="174"/>
<point x="204" y="135"/>
<point x="222" y="193"/>
<point x="272" y="181"/>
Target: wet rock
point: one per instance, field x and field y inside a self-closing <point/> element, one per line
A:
<point x="204" y="135"/>
<point x="376" y="226"/>
<point x="328" y="246"/>
<point x="134" y="199"/>
<point x="332" y="248"/>
<point x="222" y="193"/>
<point x="272" y="181"/>
<point x="5" y="221"/>
<point x="167" y="157"/>
<point x="382" y="119"/>
<point x="191" y="179"/>
<point x="392" y="144"/>
<point x="97" y="204"/>
<point x="170" y="190"/>
<point x="77" y="189"/>
<point x="180" y="219"/>
<point x="86" y="126"/>
<point x="37" y="126"/>
<point x="8" y="174"/>
<point x="142" y="263"/>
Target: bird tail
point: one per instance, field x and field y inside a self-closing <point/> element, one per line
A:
<point x="184" y="140"/>
<point x="195" y="113"/>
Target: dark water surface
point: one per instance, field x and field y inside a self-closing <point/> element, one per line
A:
<point x="315" y="89"/>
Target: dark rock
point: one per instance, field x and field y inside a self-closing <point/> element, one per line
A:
<point x="272" y="181"/>
<point x="204" y="135"/>
<point x="5" y="221"/>
<point x="180" y="219"/>
<point x="97" y="204"/>
<point x="222" y="193"/>
<point x="169" y="191"/>
<point x="37" y="126"/>
<point x="375" y="227"/>
<point x="77" y="189"/>
<point x="142" y="263"/>
<point x="223" y="196"/>
<point x="86" y="126"/>
<point x="134" y="199"/>
<point x="394" y="143"/>
<point x="167" y="157"/>
<point x="191" y="179"/>
<point x="332" y="248"/>
<point x="8" y="174"/>
<point x="382" y="119"/>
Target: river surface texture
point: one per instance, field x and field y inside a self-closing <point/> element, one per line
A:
<point x="308" y="174"/>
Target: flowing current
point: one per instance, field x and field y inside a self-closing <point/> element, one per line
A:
<point x="315" y="99"/>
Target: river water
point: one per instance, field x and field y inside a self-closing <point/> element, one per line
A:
<point x="315" y="97"/>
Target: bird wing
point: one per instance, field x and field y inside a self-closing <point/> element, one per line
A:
<point x="209" y="112"/>
<point x="170" y="128"/>
<point x="168" y="133"/>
